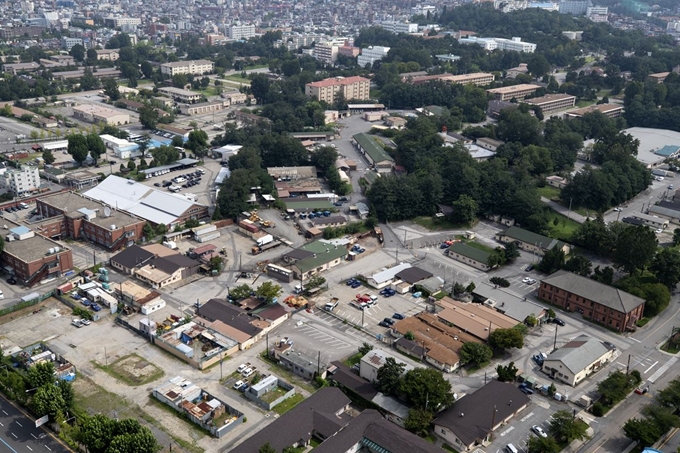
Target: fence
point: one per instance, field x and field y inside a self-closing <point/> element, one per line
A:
<point x="25" y="304"/>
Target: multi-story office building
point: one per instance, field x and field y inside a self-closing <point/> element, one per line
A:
<point x="326" y="52"/>
<point x="371" y="54"/>
<point x="20" y="181"/>
<point x="477" y="78"/>
<point x="518" y="92"/>
<point x="68" y="43"/>
<point x="237" y="32"/>
<point x="399" y="27"/>
<point x="107" y="54"/>
<point x="351" y="87"/>
<point x="608" y="110"/>
<point x="196" y="67"/>
<point x="515" y="44"/>
<point x="575" y="7"/>
<point x="423" y="10"/>
<point x="552" y="102"/>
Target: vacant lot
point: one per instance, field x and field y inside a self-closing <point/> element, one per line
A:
<point x="133" y="370"/>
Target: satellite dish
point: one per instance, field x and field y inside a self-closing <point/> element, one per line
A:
<point x="107" y="211"/>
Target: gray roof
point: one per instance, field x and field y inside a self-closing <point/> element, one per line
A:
<point x="529" y="237"/>
<point x="469" y="251"/>
<point x="508" y="304"/>
<point x="477" y="408"/>
<point x="344" y="376"/>
<point x="413" y="275"/>
<point x="579" y="353"/>
<point x="606" y="295"/>
<point x="664" y="211"/>
<point x="298" y="424"/>
<point x="231" y="315"/>
<point x="132" y="256"/>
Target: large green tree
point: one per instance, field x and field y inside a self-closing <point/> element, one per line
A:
<point x="670" y="396"/>
<point x="426" y="388"/>
<point x="95" y="145"/>
<point x="418" y="420"/>
<point x="553" y="260"/>
<point x="268" y="291"/>
<point x="198" y="142"/>
<point x="475" y="353"/>
<point x="666" y="267"/>
<point x="389" y="376"/>
<point x="566" y="428"/>
<point x="148" y="116"/>
<point x="537" y="444"/>
<point x="77" y="147"/>
<point x="635" y="249"/>
<point x="240" y="292"/>
<point x="506" y="339"/>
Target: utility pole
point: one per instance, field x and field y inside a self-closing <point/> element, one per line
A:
<point x="318" y="363"/>
<point x="493" y="417"/>
<point x="363" y="312"/>
<point x="628" y="364"/>
<point x="555" y="343"/>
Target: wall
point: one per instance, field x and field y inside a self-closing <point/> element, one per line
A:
<point x="290" y="391"/>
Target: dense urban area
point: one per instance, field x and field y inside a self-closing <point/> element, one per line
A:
<point x="278" y="227"/>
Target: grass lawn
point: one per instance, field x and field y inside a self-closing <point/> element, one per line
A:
<point x="642" y="322"/>
<point x="583" y="103"/>
<point x="671" y="348"/>
<point x="447" y="448"/>
<point x="237" y="78"/>
<point x="431" y="439"/>
<point x="564" y="229"/>
<point x="132" y="370"/>
<point x="314" y="442"/>
<point x="435" y="224"/>
<point x="352" y="360"/>
<point x="549" y="192"/>
<point x="273" y="394"/>
<point x="479" y="246"/>
<point x="288" y="404"/>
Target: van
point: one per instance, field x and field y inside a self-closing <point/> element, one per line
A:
<point x="511" y="449"/>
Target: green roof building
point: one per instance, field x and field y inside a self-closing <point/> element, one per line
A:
<point x="376" y="156"/>
<point x="324" y="256"/>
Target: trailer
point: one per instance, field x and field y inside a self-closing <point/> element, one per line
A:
<point x="268" y="246"/>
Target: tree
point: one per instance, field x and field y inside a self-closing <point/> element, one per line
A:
<point x="77" y="52"/>
<point x="464" y="209"/>
<point x="579" y="265"/>
<point x="615" y="387"/>
<point x="670" y="396"/>
<point x="147" y="69"/>
<point x="566" y="428"/>
<point x="426" y="388"/>
<point x="67" y="394"/>
<point x="552" y="261"/>
<point x="635" y="248"/>
<point x="666" y="267"/>
<point x="499" y="281"/>
<point x="662" y="417"/>
<point x="47" y="400"/>
<point x="507" y="373"/>
<point x="315" y="281"/>
<point x="511" y="252"/>
<point x="676" y="236"/>
<point x="475" y="353"/>
<point x="111" y="89"/>
<point x="40" y="375"/>
<point x="644" y="431"/>
<point x="198" y="142"/>
<point x="131" y="165"/>
<point x="365" y="348"/>
<point x="542" y="445"/>
<point x="389" y="376"/>
<point x="506" y="339"/>
<point x="409" y="335"/>
<point x="266" y="448"/>
<point x="77" y="147"/>
<point x="148" y="116"/>
<point x="604" y="275"/>
<point x="48" y="157"/>
<point x="268" y="291"/>
<point x="418" y="420"/>
<point x="96" y="145"/>
<point x="240" y="292"/>
<point x="538" y="66"/>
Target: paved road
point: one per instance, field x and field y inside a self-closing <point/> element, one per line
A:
<point x="18" y="433"/>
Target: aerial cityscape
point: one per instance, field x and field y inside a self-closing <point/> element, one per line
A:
<point x="294" y="226"/>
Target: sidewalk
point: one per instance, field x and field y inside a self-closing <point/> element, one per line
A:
<point x="564" y="211"/>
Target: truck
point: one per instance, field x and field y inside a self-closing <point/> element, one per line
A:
<point x="265" y="243"/>
<point x="359" y="305"/>
<point x="331" y="304"/>
<point x="264" y="240"/>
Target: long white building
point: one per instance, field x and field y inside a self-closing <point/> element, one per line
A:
<point x="238" y="32"/>
<point x="196" y="67"/>
<point x="399" y="27"/>
<point x="515" y="44"/>
<point x="20" y="181"/>
<point x="372" y="54"/>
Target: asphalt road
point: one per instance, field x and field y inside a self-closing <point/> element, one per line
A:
<point x="18" y="433"/>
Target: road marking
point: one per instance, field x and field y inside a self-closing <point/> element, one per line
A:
<point x="19" y="424"/>
<point x="653" y="365"/>
<point x="29" y="448"/>
<point x="635" y="339"/>
<point x="526" y="417"/>
<point x="33" y="436"/>
<point x="48" y="448"/>
<point x="8" y="446"/>
<point x="5" y="412"/>
<point x="15" y="436"/>
<point x="662" y="370"/>
<point x="507" y="431"/>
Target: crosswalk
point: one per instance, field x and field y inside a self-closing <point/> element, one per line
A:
<point x="659" y="372"/>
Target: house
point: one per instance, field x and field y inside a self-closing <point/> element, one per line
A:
<point x="556" y="181"/>
<point x="413" y="275"/>
<point x="376" y="156"/>
<point x="514" y="72"/>
<point x="475" y="319"/>
<point x="385" y="277"/>
<point x="324" y="256"/>
<point x="301" y="364"/>
<point x="604" y="304"/>
<point x="232" y="321"/>
<point x="472" y="419"/>
<point x="469" y="255"/>
<point x="531" y="242"/>
<point x="321" y="415"/>
<point x="374" y="360"/>
<point x="577" y="360"/>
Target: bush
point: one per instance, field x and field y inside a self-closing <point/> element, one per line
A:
<point x="598" y="409"/>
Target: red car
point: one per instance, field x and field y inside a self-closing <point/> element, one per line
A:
<point x="363" y="298"/>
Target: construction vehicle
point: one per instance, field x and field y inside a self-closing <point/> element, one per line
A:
<point x="295" y="301"/>
<point x="267" y="224"/>
<point x="378" y="234"/>
<point x="223" y="251"/>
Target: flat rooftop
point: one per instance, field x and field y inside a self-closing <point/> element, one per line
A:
<point x="72" y="202"/>
<point x="514" y="88"/>
<point x="651" y="140"/>
<point x="31" y="249"/>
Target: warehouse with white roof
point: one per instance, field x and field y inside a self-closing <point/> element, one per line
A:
<point x="155" y="206"/>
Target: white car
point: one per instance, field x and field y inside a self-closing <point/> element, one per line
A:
<point x="659" y="231"/>
<point x="659" y="178"/>
<point x="617" y="209"/>
<point x="238" y="385"/>
<point x="539" y="431"/>
<point x="85" y="322"/>
<point x="241" y="367"/>
<point x="528" y="281"/>
<point x="248" y="372"/>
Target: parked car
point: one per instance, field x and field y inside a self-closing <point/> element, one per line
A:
<point x="238" y="385"/>
<point x="350" y="282"/>
<point x="11" y="281"/>
<point x="539" y="431"/>
<point x="384" y="324"/>
<point x="559" y="322"/>
<point x="398" y="316"/>
<point x="85" y="322"/>
<point x="530" y="268"/>
<point x="241" y="367"/>
<point x="641" y="390"/>
<point x="244" y="387"/>
<point x="389" y="321"/>
<point x="95" y="307"/>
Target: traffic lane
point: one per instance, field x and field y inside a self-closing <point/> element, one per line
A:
<point x="19" y="434"/>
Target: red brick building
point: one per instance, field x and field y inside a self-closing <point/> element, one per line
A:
<point x="70" y="215"/>
<point x="603" y="304"/>
<point x="31" y="258"/>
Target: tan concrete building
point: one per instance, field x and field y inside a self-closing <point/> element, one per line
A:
<point x="552" y="102"/>
<point x="518" y="92"/>
<point x="96" y="114"/>
<point x="108" y="54"/>
<point x="196" y="67"/>
<point x="351" y="87"/>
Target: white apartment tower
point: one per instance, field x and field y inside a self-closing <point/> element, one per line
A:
<point x="20" y="181"/>
<point x="372" y="54"/>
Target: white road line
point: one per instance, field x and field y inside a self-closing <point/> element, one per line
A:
<point x="15" y="436"/>
<point x="19" y="424"/>
<point x="662" y="370"/>
<point x="653" y="365"/>
<point x="1" y="424"/>
<point x="5" y="412"/>
<point x="48" y="448"/>
<point x="635" y="339"/>
<point x="29" y="448"/>
<point x="33" y="436"/>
